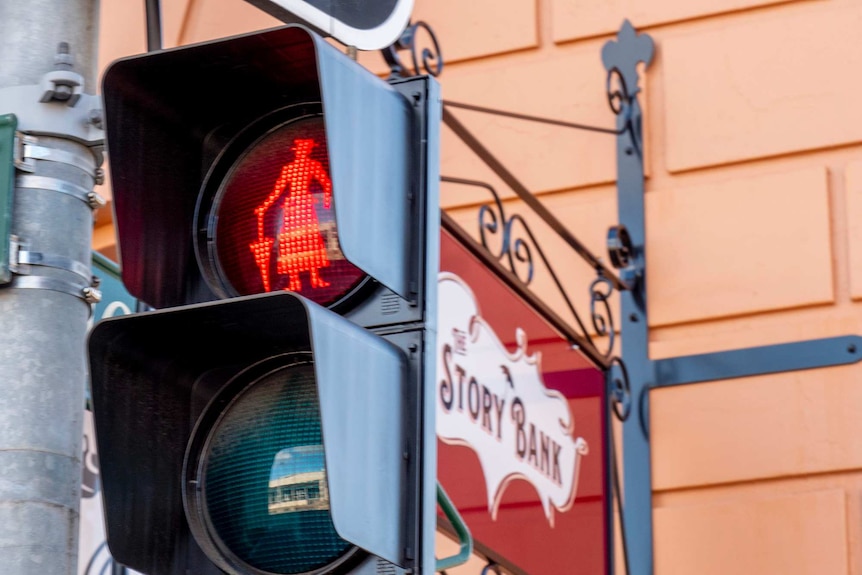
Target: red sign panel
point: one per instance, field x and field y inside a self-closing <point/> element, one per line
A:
<point x="520" y="426"/>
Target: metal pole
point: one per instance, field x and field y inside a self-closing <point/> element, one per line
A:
<point x="620" y="58"/>
<point x="153" y="9"/>
<point x="48" y="66"/>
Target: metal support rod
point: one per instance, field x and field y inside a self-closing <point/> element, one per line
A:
<point x="528" y="118"/>
<point x="515" y="284"/>
<point x="42" y="370"/>
<point x="465" y="539"/>
<point x="826" y="352"/>
<point x="637" y="485"/>
<point x="154" y="25"/>
<point x="524" y="194"/>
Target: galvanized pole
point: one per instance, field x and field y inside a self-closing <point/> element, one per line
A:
<point x="48" y="54"/>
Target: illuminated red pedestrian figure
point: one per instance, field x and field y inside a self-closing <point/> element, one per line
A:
<point x="300" y="243"/>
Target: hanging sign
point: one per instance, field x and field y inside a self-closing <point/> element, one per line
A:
<point x="520" y="425"/>
<point x="518" y="428"/>
<point x="366" y="24"/>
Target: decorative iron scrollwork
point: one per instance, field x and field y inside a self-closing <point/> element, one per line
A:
<point x="619" y="391"/>
<point x="520" y="249"/>
<point x="622" y="104"/>
<point x="619" y="394"/>
<point x="624" y="53"/>
<point x="493" y="220"/>
<point x="619" y="98"/>
<point x="600" y="311"/>
<point x="620" y="58"/>
<point x="428" y="60"/>
<point x="510" y="240"/>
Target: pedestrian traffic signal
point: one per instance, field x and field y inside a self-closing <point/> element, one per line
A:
<point x="279" y="204"/>
<point x="283" y="214"/>
<point x="200" y="138"/>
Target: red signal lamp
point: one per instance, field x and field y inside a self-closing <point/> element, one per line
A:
<point x="267" y="216"/>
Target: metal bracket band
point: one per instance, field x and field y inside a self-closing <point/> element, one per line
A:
<point x="89" y="197"/>
<point x="85" y="292"/>
<point x="81" y="122"/>
<point x="30" y="150"/>
<point x="52" y="261"/>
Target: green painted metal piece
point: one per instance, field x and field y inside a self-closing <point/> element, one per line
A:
<point x="464" y="537"/>
<point x="8" y="125"/>
<point x="115" y="299"/>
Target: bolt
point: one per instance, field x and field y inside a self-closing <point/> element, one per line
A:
<point x="95" y="118"/>
<point x="62" y="92"/>
<point x="413" y="347"/>
<point x="96" y="201"/>
<point x="62" y="59"/>
<point x="91" y="295"/>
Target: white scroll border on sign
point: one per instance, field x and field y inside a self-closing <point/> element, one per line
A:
<point x="460" y="325"/>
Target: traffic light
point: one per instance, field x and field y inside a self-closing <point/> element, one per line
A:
<point x="278" y="203"/>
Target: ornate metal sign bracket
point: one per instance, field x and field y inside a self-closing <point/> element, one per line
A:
<point x="507" y="242"/>
<point x="633" y="373"/>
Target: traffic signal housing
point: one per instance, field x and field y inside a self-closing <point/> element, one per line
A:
<point x="191" y="134"/>
<point x="279" y="204"/>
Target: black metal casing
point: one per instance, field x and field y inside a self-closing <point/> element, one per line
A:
<point x="170" y="115"/>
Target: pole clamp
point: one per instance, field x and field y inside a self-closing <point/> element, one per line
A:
<point x="87" y="293"/>
<point x="27" y="258"/>
<point x="89" y="197"/>
<point x="28" y="150"/>
<point x="21" y="259"/>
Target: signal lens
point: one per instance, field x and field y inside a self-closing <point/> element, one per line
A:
<point x="275" y="223"/>
<point x="264" y="477"/>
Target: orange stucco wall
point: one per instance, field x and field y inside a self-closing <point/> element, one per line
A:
<point x="754" y="219"/>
